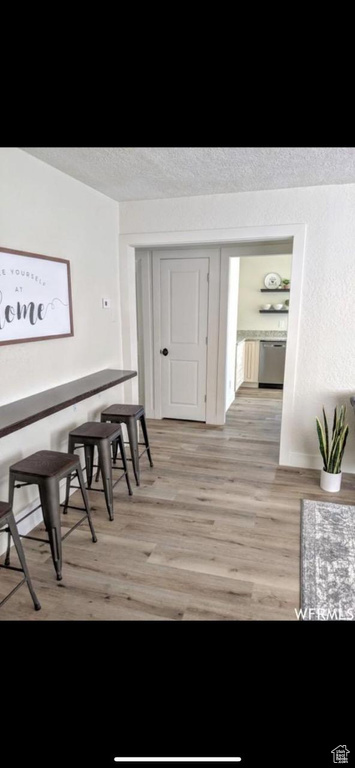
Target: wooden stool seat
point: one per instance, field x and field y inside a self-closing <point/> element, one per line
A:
<point x="96" y="430"/>
<point x="7" y="518"/>
<point x="47" y="464"/>
<point x="124" y="411"/>
<point x="129" y="414"/>
<point x="46" y="469"/>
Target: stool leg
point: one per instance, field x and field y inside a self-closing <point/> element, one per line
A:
<point x="89" y="461"/>
<point x="97" y="478"/>
<point x="49" y="493"/>
<point x="133" y="442"/>
<point x="71" y="449"/>
<point x="146" y="439"/>
<point x="105" y="465"/>
<point x="8" y="549"/>
<point x="84" y="494"/>
<point x="119" y="442"/>
<point x="21" y="556"/>
<point x="11" y="501"/>
<point x="115" y="450"/>
<point x="67" y="493"/>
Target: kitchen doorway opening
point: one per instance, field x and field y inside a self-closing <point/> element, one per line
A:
<point x="259" y="296"/>
<point x="221" y="256"/>
<point x="259" y="293"/>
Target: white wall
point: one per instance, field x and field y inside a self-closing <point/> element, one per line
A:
<point x="232" y="328"/>
<point x="325" y="358"/>
<point x="44" y="211"/>
<point x="253" y="270"/>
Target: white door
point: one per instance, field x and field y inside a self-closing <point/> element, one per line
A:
<point x="183" y="337"/>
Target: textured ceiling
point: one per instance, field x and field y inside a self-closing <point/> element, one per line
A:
<point x="141" y="173"/>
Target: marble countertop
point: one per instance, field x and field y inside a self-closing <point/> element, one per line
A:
<point x="256" y="335"/>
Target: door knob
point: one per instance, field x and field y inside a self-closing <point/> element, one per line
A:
<point x="164" y="351"/>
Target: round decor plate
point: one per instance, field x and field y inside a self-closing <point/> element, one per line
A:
<point x="272" y="280"/>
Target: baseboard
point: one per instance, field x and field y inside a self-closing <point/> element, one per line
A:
<point x="313" y="461"/>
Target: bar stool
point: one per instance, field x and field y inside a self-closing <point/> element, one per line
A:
<point x="46" y="469"/>
<point x="130" y="415"/>
<point x="7" y="518"/>
<point x="103" y="436"/>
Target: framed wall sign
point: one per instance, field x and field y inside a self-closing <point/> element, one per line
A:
<point x="35" y="297"/>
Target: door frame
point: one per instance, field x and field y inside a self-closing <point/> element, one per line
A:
<point x="216" y="237"/>
<point x="157" y="257"/>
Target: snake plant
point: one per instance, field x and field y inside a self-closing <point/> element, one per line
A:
<point x="332" y="448"/>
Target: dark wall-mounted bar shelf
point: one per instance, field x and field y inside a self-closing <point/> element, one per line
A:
<point x="23" y="412"/>
<point x="275" y="290"/>
<point x="274" y="311"/>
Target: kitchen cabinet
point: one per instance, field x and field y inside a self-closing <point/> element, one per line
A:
<point x="251" y="363"/>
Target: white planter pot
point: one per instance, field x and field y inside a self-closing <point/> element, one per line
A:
<point x="330" y="482"/>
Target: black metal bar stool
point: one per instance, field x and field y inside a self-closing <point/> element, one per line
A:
<point x="130" y="415"/>
<point x="103" y="436"/>
<point x="7" y="518"/>
<point x="46" y="469"/>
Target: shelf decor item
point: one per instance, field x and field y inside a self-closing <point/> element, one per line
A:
<point x="277" y="306"/>
<point x="272" y="280"/>
<point x="332" y="449"/>
<point x="286" y="284"/>
<point x="35" y="297"/>
<point x="266" y="306"/>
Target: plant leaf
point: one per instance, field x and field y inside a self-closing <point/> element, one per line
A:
<point x="341" y="449"/>
<point x="321" y="439"/>
<point x="333" y="455"/>
<point x="326" y="433"/>
<point x="334" y="421"/>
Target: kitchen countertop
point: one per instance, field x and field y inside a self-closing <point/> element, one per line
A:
<point x="257" y="335"/>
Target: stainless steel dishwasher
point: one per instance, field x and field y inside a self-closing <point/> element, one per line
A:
<point x="272" y="363"/>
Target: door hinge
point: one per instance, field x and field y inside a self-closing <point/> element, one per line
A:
<point x="205" y="398"/>
<point x="208" y="277"/>
<point x="206" y="339"/>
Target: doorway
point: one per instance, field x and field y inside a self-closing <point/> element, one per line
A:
<point x="258" y="309"/>
<point x="219" y="244"/>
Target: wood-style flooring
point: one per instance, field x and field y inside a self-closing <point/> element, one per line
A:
<point x="212" y="533"/>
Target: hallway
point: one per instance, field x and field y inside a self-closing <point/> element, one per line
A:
<point x="211" y="534"/>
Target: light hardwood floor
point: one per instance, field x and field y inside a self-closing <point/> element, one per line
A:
<point x="213" y="532"/>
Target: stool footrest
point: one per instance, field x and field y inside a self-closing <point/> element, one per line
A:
<point x="12" y="592"/>
<point x="33" y="538"/>
<point x="28" y="514"/>
<point x="73" y="527"/>
<point x="139" y="456"/>
<point x="10" y="568"/>
<point x="71" y="506"/>
<point x="101" y="490"/>
<point x="46" y="541"/>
